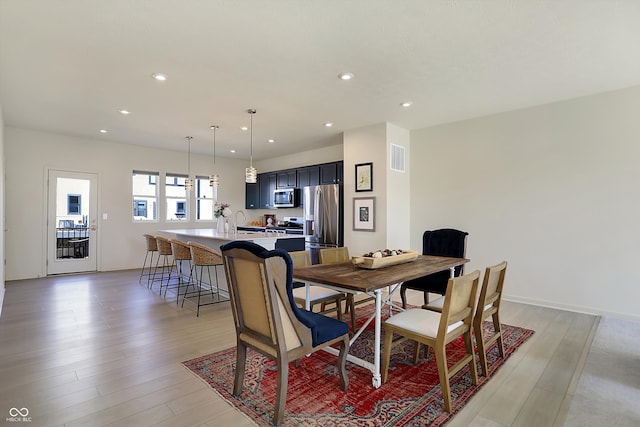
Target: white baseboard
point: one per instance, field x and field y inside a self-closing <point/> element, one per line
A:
<point x="574" y="308"/>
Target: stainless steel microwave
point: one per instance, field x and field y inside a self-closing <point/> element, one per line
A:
<point x="286" y="198"/>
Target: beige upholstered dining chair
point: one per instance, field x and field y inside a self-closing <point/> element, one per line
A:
<point x="437" y="330"/>
<point x="267" y="319"/>
<point x="489" y="306"/>
<point x="341" y="254"/>
<point x="331" y="255"/>
<point x="317" y="294"/>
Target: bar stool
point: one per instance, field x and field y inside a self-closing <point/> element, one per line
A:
<point x="203" y="256"/>
<point x="165" y="253"/>
<point x="152" y="249"/>
<point x="181" y="254"/>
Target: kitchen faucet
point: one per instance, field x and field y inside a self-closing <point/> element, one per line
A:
<point x="235" y="225"/>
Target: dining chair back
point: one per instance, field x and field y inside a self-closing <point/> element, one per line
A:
<point x="443" y="242"/>
<point x="436" y="330"/>
<point x="317" y="294"/>
<point x="268" y="320"/>
<point x="333" y="255"/>
<point x="489" y="306"/>
<point x="341" y="254"/>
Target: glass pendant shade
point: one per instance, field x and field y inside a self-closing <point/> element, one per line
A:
<point x="188" y="184"/>
<point x="214" y="180"/>
<point x="250" y="175"/>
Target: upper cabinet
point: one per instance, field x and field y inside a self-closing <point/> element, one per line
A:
<point x="286" y="179"/>
<point x="260" y="195"/>
<point x="309" y="175"/>
<point x="331" y="173"/>
<point x="267" y="184"/>
<point x="252" y="196"/>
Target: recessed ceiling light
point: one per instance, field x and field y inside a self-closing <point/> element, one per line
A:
<point x="345" y="76"/>
<point x="406" y="104"/>
<point x="125" y="112"/>
<point x="103" y="131"/>
<point x="159" y="76"/>
<point x="244" y="128"/>
<point x="328" y="124"/>
<point x="271" y="141"/>
<point x="233" y="151"/>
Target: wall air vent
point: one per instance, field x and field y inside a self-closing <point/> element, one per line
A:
<point x="397" y="158"/>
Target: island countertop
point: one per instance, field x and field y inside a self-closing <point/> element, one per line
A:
<point x="210" y="237"/>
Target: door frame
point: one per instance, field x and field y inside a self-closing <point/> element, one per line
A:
<point x="93" y="226"/>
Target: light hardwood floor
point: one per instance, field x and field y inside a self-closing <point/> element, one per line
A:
<point x="101" y="349"/>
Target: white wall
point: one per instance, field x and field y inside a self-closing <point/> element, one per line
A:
<point x="552" y="189"/>
<point x="398" y="208"/>
<point x="365" y="145"/>
<point x="331" y="151"/>
<point x="29" y="153"/>
<point x="391" y="189"/>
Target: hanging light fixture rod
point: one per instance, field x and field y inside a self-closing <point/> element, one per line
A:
<point x="250" y="173"/>
<point x="188" y="182"/>
<point x="214" y="178"/>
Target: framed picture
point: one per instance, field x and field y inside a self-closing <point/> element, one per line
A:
<point x="364" y="177"/>
<point x="364" y="213"/>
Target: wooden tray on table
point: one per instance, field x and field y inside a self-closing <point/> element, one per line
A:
<point x="373" y="263"/>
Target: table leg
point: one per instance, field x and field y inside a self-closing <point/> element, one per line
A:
<point x="452" y="272"/>
<point x="377" y="378"/>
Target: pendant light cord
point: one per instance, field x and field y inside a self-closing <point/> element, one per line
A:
<point x="189" y="157"/>
<point x="251" y="112"/>
<point x="214" y="127"/>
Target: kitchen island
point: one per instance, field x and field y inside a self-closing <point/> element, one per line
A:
<point x="211" y="238"/>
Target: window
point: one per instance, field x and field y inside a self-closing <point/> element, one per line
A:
<point x="176" y="198"/>
<point x="145" y="196"/>
<point x="74" y="204"/>
<point x="204" y="199"/>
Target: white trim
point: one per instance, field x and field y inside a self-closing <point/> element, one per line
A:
<point x="574" y="308"/>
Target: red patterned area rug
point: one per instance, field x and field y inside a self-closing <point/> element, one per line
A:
<point x="411" y="395"/>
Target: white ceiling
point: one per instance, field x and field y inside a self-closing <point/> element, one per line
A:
<point x="68" y="66"/>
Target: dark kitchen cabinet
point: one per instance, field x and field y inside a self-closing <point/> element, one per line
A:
<point x="252" y="195"/>
<point x="267" y="184"/>
<point x="286" y="179"/>
<point x="260" y="194"/>
<point x="309" y="175"/>
<point x="331" y="173"/>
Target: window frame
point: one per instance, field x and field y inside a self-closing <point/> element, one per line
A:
<point x="171" y="181"/>
<point x="138" y="194"/>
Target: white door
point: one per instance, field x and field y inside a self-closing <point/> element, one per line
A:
<point x="71" y="225"/>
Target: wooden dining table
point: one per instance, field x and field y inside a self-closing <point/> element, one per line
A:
<point x="347" y="277"/>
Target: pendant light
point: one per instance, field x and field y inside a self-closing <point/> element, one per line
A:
<point x="250" y="173"/>
<point x="214" y="178"/>
<point x="188" y="182"/>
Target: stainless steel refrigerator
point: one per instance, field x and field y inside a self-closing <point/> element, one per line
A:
<point x="323" y="217"/>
